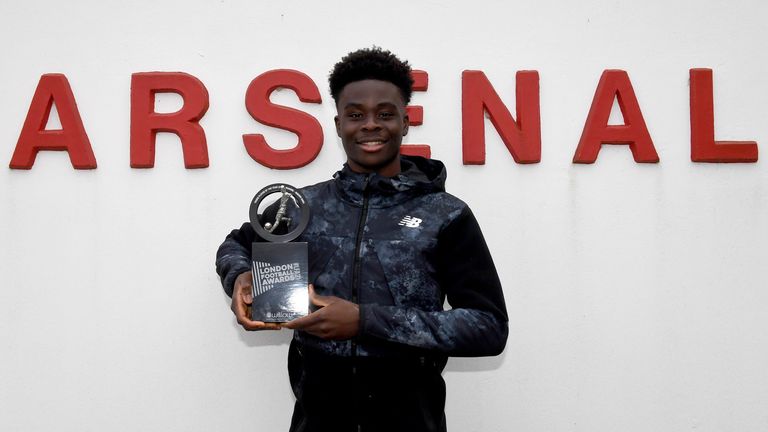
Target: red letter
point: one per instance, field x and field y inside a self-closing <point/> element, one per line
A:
<point x="416" y="116"/>
<point x="522" y="138"/>
<point x="704" y="148"/>
<point x="615" y="84"/>
<point x="307" y="128"/>
<point x="53" y="88"/>
<point x="146" y="123"/>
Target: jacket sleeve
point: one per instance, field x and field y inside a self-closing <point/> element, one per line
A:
<point x="234" y="256"/>
<point x="476" y="324"/>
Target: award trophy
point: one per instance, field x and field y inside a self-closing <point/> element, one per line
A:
<point x="280" y="275"/>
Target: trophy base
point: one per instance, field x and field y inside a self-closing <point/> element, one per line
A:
<point x="280" y="281"/>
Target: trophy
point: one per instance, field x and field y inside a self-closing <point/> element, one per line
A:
<point x="279" y="265"/>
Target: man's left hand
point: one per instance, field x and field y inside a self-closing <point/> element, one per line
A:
<point x="337" y="319"/>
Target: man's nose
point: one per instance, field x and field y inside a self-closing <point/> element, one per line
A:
<point x="371" y="123"/>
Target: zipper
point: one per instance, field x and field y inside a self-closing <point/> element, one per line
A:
<point x="357" y="263"/>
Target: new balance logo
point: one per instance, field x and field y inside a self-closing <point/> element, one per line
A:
<point x="410" y="222"/>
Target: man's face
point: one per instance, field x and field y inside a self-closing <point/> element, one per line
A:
<point x="371" y="123"/>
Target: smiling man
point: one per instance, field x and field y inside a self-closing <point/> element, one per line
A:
<point x="387" y="247"/>
<point x="371" y="122"/>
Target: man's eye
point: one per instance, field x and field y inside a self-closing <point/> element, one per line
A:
<point x="386" y="114"/>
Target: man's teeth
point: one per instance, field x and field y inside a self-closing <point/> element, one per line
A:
<point x="372" y="143"/>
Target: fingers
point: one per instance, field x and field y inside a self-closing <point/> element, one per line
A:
<point x="339" y="320"/>
<point x="242" y="313"/>
<point x="314" y="324"/>
<point x="242" y="298"/>
<point x="258" y="325"/>
<point x="304" y="322"/>
<point x="247" y="297"/>
<point x="247" y="323"/>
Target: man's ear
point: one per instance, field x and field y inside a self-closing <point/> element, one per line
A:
<point x="406" y="123"/>
<point x="338" y="125"/>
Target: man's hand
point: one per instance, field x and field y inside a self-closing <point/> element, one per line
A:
<point x="242" y="298"/>
<point x="336" y="319"/>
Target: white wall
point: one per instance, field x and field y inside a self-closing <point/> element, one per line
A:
<point x="636" y="292"/>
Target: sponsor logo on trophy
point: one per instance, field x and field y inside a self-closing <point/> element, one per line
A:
<point x="279" y="264"/>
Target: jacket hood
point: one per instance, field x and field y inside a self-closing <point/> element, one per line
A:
<point x="417" y="175"/>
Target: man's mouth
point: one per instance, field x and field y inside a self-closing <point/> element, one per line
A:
<point x="371" y="145"/>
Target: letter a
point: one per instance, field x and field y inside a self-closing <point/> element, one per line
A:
<point x="615" y="84"/>
<point x="53" y="88"/>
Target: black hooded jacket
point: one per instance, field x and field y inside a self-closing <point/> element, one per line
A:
<point x="398" y="247"/>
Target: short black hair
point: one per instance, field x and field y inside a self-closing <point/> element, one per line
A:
<point x="371" y="63"/>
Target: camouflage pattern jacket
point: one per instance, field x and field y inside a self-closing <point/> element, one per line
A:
<point x="398" y="247"/>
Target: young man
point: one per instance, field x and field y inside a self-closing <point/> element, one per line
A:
<point x="387" y="245"/>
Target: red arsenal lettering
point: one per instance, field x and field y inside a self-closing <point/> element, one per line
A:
<point x="306" y="127"/>
<point x="146" y="123"/>
<point x="53" y="88"/>
<point x="597" y="131"/>
<point x="522" y="137"/>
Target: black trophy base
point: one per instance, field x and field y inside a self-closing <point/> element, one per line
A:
<point x="280" y="281"/>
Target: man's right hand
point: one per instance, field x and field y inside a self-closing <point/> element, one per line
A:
<point x="242" y="298"/>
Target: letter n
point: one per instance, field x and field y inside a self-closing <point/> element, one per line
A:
<point x="704" y="148"/>
<point x="146" y="123"/>
<point x="306" y="127"/>
<point x="615" y="84"/>
<point x="53" y="88"/>
<point x="522" y="137"/>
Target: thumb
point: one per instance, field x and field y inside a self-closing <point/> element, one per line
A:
<point x="247" y="297"/>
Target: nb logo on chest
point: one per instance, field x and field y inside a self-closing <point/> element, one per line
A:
<point x="410" y="222"/>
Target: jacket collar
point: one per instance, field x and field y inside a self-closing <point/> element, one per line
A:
<point x="417" y="176"/>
